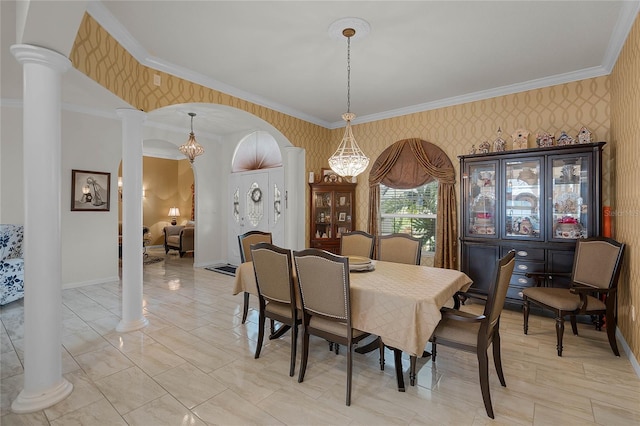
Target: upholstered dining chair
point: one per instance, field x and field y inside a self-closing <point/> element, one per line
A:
<point x="357" y="243"/>
<point x="474" y="333"/>
<point x="323" y="281"/>
<point x="276" y="292"/>
<point x="596" y="269"/>
<point x="399" y="248"/>
<point x="245" y="240"/>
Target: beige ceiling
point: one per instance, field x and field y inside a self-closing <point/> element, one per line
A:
<point x="419" y="54"/>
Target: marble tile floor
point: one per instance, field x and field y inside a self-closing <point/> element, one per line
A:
<point x="193" y="365"/>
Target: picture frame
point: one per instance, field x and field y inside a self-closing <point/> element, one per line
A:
<point x="342" y="216"/>
<point x="90" y="191"/>
<point x="328" y="175"/>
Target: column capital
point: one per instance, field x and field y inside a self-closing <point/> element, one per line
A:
<point x="29" y="54"/>
<point x="131" y="113"/>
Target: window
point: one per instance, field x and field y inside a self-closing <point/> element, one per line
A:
<point x="410" y="211"/>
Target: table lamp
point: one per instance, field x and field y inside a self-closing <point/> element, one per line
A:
<point x="174" y="212"/>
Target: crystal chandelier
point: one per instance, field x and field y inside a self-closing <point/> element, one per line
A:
<point x="348" y="160"/>
<point x="191" y="149"/>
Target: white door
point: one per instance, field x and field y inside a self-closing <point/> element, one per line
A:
<point x="252" y="202"/>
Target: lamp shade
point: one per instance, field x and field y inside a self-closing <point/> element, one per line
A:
<point x="174" y="212"/>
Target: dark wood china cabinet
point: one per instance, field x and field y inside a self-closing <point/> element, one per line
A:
<point x="536" y="201"/>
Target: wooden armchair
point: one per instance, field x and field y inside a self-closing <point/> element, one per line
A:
<point x="596" y="269"/>
<point x="357" y="243"/>
<point x="471" y="333"/>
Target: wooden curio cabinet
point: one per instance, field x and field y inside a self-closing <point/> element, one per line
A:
<point x="332" y="214"/>
<point x="536" y="201"/>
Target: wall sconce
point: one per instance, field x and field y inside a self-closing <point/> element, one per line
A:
<point x="174" y="212"/>
<point x="120" y="187"/>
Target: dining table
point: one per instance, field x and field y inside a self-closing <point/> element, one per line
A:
<point x="398" y="302"/>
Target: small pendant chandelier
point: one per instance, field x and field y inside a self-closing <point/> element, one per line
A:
<point x="348" y="160"/>
<point x="191" y="149"/>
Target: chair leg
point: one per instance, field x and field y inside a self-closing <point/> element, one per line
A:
<point x="294" y="343"/>
<point x="381" y="348"/>
<point x="305" y="354"/>
<point x="397" y="359"/>
<point x="525" y="312"/>
<point x="245" y="307"/>
<point x="349" y="371"/>
<point x="412" y="370"/>
<point x="611" y="330"/>
<point x="483" y="367"/>
<point x="560" y="333"/>
<point x="497" y="358"/>
<point x="260" y="332"/>
<point x="574" y="325"/>
<point x="433" y="351"/>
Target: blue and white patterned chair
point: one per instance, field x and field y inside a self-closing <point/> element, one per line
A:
<point x="11" y="263"/>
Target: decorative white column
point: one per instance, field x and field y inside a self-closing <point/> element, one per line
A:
<point x="44" y="385"/>
<point x="132" y="309"/>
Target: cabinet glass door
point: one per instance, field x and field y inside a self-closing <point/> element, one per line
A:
<point x="322" y="222"/>
<point x="481" y="200"/>
<point x="343" y="213"/>
<point x="522" y="199"/>
<point x="570" y="192"/>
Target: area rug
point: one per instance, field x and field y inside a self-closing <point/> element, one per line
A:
<point x="227" y="269"/>
<point x="148" y="260"/>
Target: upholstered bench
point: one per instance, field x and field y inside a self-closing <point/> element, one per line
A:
<point x="11" y="263"/>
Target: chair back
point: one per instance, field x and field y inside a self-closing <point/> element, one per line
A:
<point x="597" y="262"/>
<point x="323" y="279"/>
<point x="252" y="237"/>
<point x="273" y="270"/>
<point x="498" y="290"/>
<point x="357" y="243"/>
<point x="399" y="248"/>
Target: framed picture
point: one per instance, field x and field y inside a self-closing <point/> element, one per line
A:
<point x="342" y="216"/>
<point x="90" y="191"/>
<point x="329" y="175"/>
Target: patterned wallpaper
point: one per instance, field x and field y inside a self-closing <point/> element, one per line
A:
<point x="455" y="129"/>
<point x="625" y="148"/>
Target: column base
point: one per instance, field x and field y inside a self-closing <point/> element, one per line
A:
<point x="29" y="403"/>
<point x="126" y="326"/>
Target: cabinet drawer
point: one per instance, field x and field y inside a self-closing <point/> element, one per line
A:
<point x="525" y="253"/>
<point x="521" y="280"/>
<point x="524" y="266"/>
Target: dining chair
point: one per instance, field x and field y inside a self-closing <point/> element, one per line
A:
<point x="474" y="333"/>
<point x="357" y="243"/>
<point x="596" y="269"/>
<point x="399" y="248"/>
<point x="323" y="281"/>
<point x="245" y="240"/>
<point x="273" y="269"/>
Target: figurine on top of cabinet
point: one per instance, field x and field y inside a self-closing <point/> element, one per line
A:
<point x="520" y="139"/>
<point x="484" y="147"/>
<point x="473" y="149"/>
<point x="584" y="136"/>
<point x="499" y="144"/>
<point x="565" y="139"/>
<point x="544" y="140"/>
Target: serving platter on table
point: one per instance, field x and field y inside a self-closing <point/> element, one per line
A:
<point x="360" y="264"/>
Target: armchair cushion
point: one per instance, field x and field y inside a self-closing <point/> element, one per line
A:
<point x="11" y="263"/>
<point x="562" y="299"/>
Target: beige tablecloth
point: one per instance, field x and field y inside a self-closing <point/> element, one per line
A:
<point x="400" y="303"/>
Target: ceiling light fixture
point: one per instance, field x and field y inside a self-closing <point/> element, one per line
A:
<point x="348" y="160"/>
<point x="191" y="149"/>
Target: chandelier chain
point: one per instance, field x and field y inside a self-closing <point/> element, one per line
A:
<point x="348" y="74"/>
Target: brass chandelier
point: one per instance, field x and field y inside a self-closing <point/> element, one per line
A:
<point x="191" y="149"/>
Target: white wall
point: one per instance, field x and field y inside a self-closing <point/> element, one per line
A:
<point x="11" y="180"/>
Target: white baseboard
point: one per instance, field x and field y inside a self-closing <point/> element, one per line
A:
<point x="627" y="350"/>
